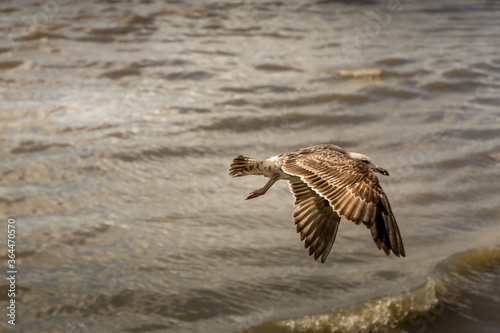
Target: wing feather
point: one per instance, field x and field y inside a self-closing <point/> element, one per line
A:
<point x="316" y="221"/>
<point x="351" y="189"/>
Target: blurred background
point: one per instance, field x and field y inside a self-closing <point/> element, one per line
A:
<point x="119" y="120"/>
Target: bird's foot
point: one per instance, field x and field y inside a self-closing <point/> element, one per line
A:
<point x="255" y="194"/>
<point x="262" y="191"/>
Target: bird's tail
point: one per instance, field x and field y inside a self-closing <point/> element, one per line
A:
<point x="243" y="166"/>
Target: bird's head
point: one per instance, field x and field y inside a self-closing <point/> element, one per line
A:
<point x="365" y="159"/>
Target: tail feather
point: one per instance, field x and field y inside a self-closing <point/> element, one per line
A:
<point x="241" y="166"/>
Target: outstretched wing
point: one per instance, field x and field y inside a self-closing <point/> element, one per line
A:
<point x="316" y="221"/>
<point x="352" y="190"/>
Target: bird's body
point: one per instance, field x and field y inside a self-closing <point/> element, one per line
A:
<point x="329" y="183"/>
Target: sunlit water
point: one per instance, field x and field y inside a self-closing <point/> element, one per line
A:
<point x="119" y="120"/>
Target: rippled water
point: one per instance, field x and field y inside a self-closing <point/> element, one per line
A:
<point x="119" y="120"/>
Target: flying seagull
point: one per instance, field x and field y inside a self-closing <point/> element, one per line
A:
<point x="329" y="183"/>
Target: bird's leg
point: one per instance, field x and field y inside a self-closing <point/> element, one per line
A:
<point x="263" y="190"/>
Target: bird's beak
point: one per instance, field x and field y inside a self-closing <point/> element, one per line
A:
<point x="382" y="171"/>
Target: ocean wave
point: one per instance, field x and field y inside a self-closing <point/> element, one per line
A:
<point x="119" y="73"/>
<point x="159" y="153"/>
<point x="318" y="99"/>
<point x="472" y="272"/>
<point x="275" y="68"/>
<point x="258" y="89"/>
<point x="30" y="147"/>
<point x="10" y="64"/>
<point x="195" y="75"/>
<point x="240" y="124"/>
<point x="363" y="72"/>
<point x="385" y="92"/>
<point x="459" y="86"/>
<point x="368" y="316"/>
<point x="394" y="61"/>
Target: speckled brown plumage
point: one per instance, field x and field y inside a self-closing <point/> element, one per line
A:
<point x="329" y="183"/>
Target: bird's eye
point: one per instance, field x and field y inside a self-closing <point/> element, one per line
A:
<point x="365" y="161"/>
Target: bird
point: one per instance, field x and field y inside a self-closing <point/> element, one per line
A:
<point x="328" y="183"/>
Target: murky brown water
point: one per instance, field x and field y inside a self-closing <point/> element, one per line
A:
<point x="118" y="122"/>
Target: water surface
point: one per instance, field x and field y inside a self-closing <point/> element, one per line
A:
<point x="118" y="122"/>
